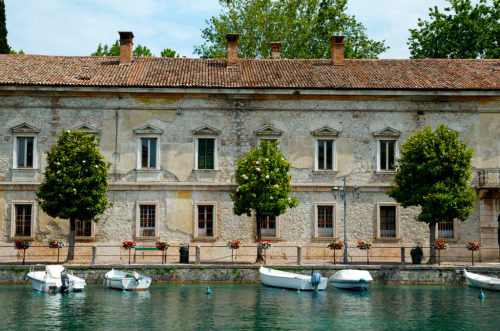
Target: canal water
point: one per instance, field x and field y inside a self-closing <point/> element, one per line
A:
<point x="250" y="307"/>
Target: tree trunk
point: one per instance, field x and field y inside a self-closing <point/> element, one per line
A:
<point x="260" y="258"/>
<point x="432" y="255"/>
<point x="71" y="244"/>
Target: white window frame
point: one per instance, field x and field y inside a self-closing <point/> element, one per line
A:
<point x="196" y="233"/>
<point x="139" y="151"/>
<point x="379" y="156"/>
<point x="216" y="152"/>
<point x="316" y="220"/>
<point x="138" y="219"/>
<point x="35" y="154"/>
<point x="455" y="232"/>
<point x="397" y="214"/>
<point x="316" y="154"/>
<point x="277" y="235"/>
<point x="34" y="212"/>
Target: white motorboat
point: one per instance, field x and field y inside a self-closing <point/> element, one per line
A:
<point x="480" y="281"/>
<point x="129" y="281"/>
<point x="55" y="278"/>
<point x="350" y="279"/>
<point x="290" y="280"/>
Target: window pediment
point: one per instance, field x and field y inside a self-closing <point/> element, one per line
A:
<point x="148" y="129"/>
<point x="24" y="128"/>
<point x="206" y="130"/>
<point x="325" y="131"/>
<point x="387" y="132"/>
<point x="268" y="130"/>
<point x="88" y="128"/>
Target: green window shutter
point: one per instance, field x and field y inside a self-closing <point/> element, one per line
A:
<point x="206" y="151"/>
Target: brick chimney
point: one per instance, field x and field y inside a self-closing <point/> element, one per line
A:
<point x="126" y="47"/>
<point x="232" y="48"/>
<point x="276" y="50"/>
<point x="337" y="46"/>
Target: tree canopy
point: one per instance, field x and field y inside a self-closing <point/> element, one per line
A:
<point x="263" y="184"/>
<point x="434" y="173"/>
<point x="139" y="50"/>
<point x="462" y="31"/>
<point x="303" y="26"/>
<point x="4" y="46"/>
<point x="75" y="181"/>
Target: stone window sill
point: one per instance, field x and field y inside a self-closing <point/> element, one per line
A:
<point x="388" y="239"/>
<point x="205" y="239"/>
<point x="324" y="239"/>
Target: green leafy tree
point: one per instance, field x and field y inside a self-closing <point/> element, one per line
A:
<point x="263" y="185"/>
<point x="434" y="173"/>
<point x="462" y="31"/>
<point x="303" y="26"/>
<point x="21" y="52"/>
<point x="4" y="46"/>
<point x="114" y="50"/>
<point x="167" y="52"/>
<point x="75" y="182"/>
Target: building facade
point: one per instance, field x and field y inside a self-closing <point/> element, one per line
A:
<point x="173" y="130"/>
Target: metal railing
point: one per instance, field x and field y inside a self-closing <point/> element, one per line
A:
<point x="246" y="254"/>
<point x="488" y="178"/>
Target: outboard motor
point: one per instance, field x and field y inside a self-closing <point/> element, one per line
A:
<point x="64" y="282"/>
<point x="315" y="280"/>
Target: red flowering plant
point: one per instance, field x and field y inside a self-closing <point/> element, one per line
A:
<point x="264" y="244"/>
<point x="129" y="244"/>
<point x="56" y="244"/>
<point x="21" y="244"/>
<point x="441" y="245"/>
<point x="162" y="245"/>
<point x="473" y="245"/>
<point x="364" y="244"/>
<point x="336" y="245"/>
<point x="234" y="244"/>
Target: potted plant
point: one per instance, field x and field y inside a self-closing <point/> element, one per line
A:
<point x="264" y="244"/>
<point x="473" y="246"/>
<point x="162" y="246"/>
<point x="334" y="245"/>
<point x="233" y="244"/>
<point x="58" y="245"/>
<point x="22" y="245"/>
<point x="365" y="245"/>
<point x="128" y="245"/>
<point x="439" y="245"/>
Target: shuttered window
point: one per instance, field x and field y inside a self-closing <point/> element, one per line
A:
<point x="206" y="153"/>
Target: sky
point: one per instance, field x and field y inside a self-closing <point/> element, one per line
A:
<point x="76" y="27"/>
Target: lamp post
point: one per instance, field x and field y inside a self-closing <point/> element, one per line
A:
<point x="342" y="193"/>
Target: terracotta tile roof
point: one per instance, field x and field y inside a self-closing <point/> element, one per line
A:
<point x="252" y="73"/>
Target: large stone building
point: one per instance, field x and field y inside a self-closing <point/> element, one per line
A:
<point x="173" y="129"/>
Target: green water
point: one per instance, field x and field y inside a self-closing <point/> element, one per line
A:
<point x="250" y="307"/>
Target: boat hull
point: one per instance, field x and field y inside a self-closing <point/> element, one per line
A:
<point x="289" y="280"/>
<point x="480" y="281"/>
<point x="352" y="280"/>
<point x="45" y="281"/>
<point x="126" y="281"/>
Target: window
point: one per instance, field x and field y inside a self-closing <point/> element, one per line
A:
<point x="325" y="216"/>
<point x="268" y="226"/>
<point x="25" y="143"/>
<point x="205" y="220"/>
<point x="325" y="155"/>
<point x="446" y="229"/>
<point x="147" y="219"/>
<point x="22" y="219"/>
<point x="388" y="220"/>
<point x="25" y="152"/>
<point x="148" y="148"/>
<point x="83" y="228"/>
<point x="387" y="155"/>
<point x="268" y="133"/>
<point x="206" y="153"/>
<point x="148" y="153"/>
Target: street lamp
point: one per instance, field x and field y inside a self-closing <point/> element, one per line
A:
<point x="342" y="193"/>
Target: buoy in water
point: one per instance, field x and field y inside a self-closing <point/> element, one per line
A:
<point x="124" y="291"/>
<point x="209" y="291"/>
<point x="38" y="293"/>
<point x="481" y="295"/>
<point x="298" y="290"/>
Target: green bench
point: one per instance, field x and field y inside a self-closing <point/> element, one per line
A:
<point x="164" y="253"/>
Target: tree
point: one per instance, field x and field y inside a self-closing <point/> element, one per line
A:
<point x="434" y="172"/>
<point x="462" y="31"/>
<point x="75" y="182"/>
<point x="167" y="52"/>
<point x="114" y="50"/>
<point x="263" y="185"/>
<point x="4" y="46"/>
<point x="21" y="52"/>
<point x="304" y="28"/>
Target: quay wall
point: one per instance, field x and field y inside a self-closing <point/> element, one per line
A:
<point x="183" y="273"/>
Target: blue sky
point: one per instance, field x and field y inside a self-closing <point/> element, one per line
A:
<point x="76" y="27"/>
